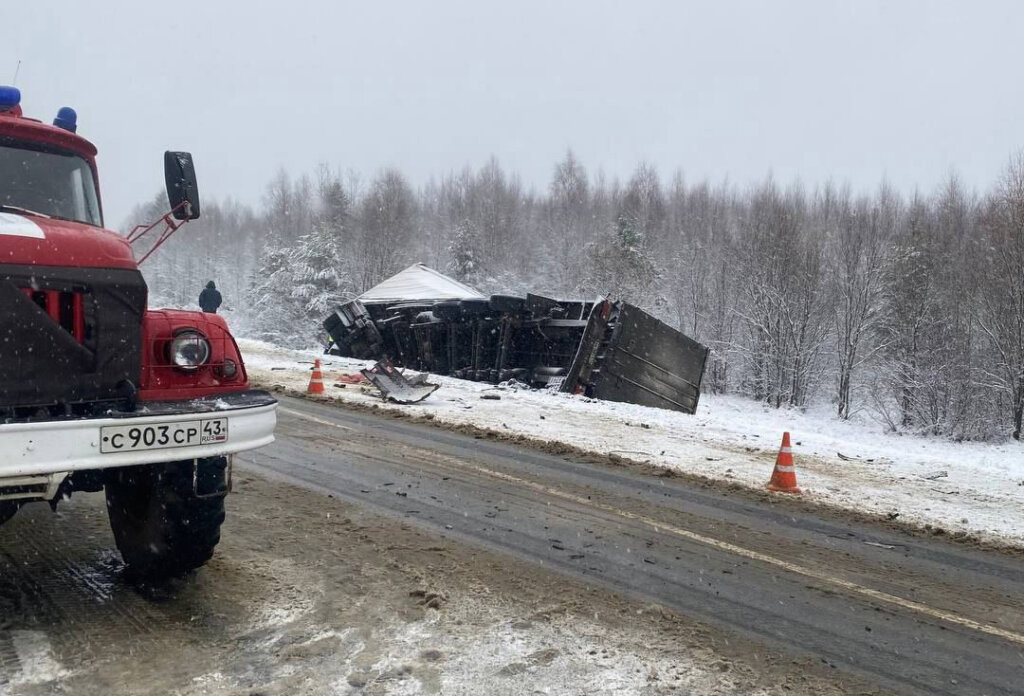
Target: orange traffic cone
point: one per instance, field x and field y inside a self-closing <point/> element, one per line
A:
<point x="316" y="380"/>
<point x="784" y="476"/>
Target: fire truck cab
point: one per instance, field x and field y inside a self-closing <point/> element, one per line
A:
<point x="97" y="391"/>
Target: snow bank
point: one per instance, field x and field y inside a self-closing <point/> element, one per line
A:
<point x="969" y="487"/>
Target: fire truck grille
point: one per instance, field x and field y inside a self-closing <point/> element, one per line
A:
<point x="70" y="338"/>
<point x="65" y="308"/>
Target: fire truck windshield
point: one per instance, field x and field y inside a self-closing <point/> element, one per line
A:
<point x="50" y="183"/>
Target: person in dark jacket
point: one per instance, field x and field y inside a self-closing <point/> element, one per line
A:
<point x="209" y="298"/>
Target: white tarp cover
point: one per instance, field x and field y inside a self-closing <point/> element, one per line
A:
<point x="418" y="282"/>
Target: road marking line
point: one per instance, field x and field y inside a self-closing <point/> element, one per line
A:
<point x="734" y="549"/>
<point x="300" y="414"/>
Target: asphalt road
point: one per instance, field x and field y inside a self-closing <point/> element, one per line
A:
<point x="911" y="615"/>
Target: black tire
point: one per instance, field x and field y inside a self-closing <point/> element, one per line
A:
<point x="162" y="529"/>
<point x="7" y="510"/>
<point x="509" y="304"/>
<point x="475" y="307"/>
<point x="447" y="310"/>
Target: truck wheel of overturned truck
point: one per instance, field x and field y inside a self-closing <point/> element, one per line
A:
<point x="162" y="528"/>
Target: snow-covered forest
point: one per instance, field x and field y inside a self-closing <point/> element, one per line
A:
<point x="908" y="308"/>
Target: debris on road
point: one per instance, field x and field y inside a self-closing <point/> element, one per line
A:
<point x="881" y="546"/>
<point x="350" y="378"/>
<point x="942" y="473"/>
<point x="394" y="386"/>
<point x="625" y="451"/>
<point x="431" y="600"/>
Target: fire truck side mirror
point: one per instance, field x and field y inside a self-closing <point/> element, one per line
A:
<point x="182" y="189"/>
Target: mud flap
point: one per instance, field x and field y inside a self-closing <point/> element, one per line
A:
<point x="208" y="481"/>
<point x="394" y="386"/>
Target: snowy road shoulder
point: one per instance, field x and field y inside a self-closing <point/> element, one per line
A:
<point x="975" y="488"/>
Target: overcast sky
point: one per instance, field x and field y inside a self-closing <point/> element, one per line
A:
<point x="853" y="91"/>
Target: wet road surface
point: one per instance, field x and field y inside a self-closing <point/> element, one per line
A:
<point x="310" y="595"/>
<point x="909" y="614"/>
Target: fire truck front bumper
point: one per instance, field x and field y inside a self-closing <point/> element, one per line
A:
<point x="156" y="431"/>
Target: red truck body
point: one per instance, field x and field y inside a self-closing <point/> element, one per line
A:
<point x="82" y="357"/>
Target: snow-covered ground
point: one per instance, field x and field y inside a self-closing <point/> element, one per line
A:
<point x="969" y="487"/>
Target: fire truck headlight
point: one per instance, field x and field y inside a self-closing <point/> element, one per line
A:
<point x="188" y="350"/>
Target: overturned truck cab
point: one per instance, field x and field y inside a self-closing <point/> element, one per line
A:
<point x="602" y="349"/>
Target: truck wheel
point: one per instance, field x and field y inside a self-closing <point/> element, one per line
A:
<point x="162" y="528"/>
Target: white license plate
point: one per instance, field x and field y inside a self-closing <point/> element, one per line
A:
<point x="131" y="438"/>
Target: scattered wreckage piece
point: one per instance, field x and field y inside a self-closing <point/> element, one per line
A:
<point x="394" y="386"/>
<point x="353" y="378"/>
<point x="602" y="349"/>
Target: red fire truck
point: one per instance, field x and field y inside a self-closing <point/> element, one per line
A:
<point x="97" y="391"/>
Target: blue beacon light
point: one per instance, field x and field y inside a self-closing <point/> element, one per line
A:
<point x="10" y="97"/>
<point x="66" y="119"/>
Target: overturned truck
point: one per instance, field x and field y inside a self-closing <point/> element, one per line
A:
<point x="602" y="349"/>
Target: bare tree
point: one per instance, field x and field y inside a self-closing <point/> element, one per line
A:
<point x="641" y="213"/>
<point x="569" y="224"/>
<point x="786" y="304"/>
<point x="1001" y="307"/>
<point x="387" y="219"/>
<point x="861" y="232"/>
